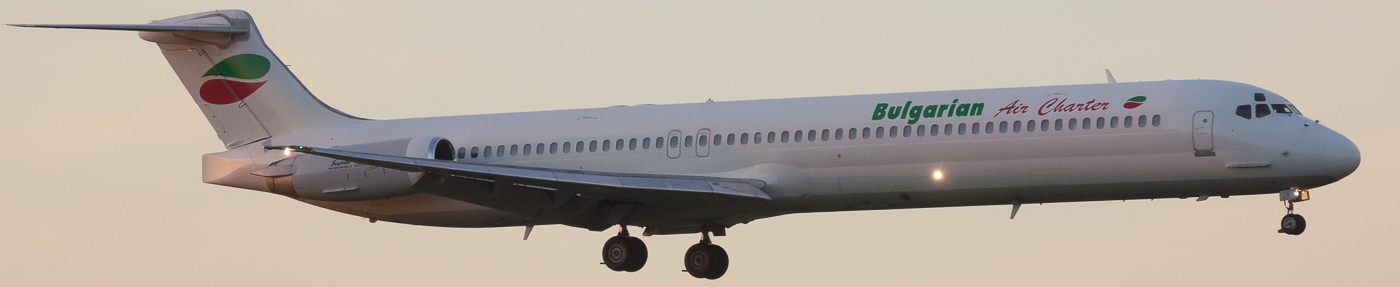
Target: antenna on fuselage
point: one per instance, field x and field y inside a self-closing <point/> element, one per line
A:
<point x="1110" y="76"/>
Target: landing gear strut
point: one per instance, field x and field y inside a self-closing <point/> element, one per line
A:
<point x="706" y="260"/>
<point x="1292" y="224"/>
<point x="624" y="252"/>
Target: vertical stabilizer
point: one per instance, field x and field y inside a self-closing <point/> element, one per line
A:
<point x="244" y="90"/>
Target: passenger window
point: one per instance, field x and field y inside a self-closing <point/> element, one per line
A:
<point x="1282" y="109"/>
<point x="744" y="139"/>
<point x="933" y="130"/>
<point x="1059" y="124"/>
<point x="578" y="146"/>
<point x="1261" y="110"/>
<point x="771" y="137"/>
<point x="527" y="149"/>
<point x="660" y="142"/>
<point x="796" y="137"/>
<point x="675" y="142"/>
<point x="976" y="127"/>
<point x="1044" y="125"/>
<point x="908" y="131"/>
<point x="475" y="150"/>
<point x="1113" y="122"/>
<point x="1086" y="123"/>
<point x="865" y="133"/>
<point x="539" y="148"/>
<point x="838" y="133"/>
<point x="962" y="129"/>
<point x="488" y="151"/>
<point x="879" y="132"/>
<point x="989" y="127"/>
<point x="606" y="144"/>
<point x="811" y="135"/>
<point x="1128" y="121"/>
<point x="852" y="134"/>
<point x="921" y="130"/>
<point x="1072" y="123"/>
<point x="757" y="138"/>
<point x="1156" y="120"/>
<point x="1002" y="127"/>
<point x="1030" y="126"/>
<point x="826" y="134"/>
<point x="704" y="139"/>
<point x="1142" y="121"/>
<point x="948" y="129"/>
<point x="553" y="148"/>
<point x="646" y="143"/>
<point x="689" y="140"/>
<point x="1099" y="123"/>
<point x="1016" y="126"/>
<point x="730" y="139"/>
<point x="718" y="139"/>
<point x="618" y="146"/>
<point x="500" y="150"/>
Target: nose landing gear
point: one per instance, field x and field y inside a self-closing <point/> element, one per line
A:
<point x="1292" y="224"/>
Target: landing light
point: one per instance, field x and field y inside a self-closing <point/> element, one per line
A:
<point x="937" y="175"/>
<point x="287" y="151"/>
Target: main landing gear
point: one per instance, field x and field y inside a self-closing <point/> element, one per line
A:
<point x="704" y="260"/>
<point x="1292" y="224"/>
<point x="624" y="252"/>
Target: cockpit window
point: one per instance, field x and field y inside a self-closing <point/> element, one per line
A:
<point x="1242" y="111"/>
<point x="1261" y="110"/>
<point x="1282" y="109"/>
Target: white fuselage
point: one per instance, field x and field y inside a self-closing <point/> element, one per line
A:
<point x="1171" y="149"/>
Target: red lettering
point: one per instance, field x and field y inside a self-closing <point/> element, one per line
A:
<point x="1015" y="107"/>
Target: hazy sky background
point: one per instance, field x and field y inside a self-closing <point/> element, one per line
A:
<point x="101" y="150"/>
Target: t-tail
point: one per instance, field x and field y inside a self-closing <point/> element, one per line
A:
<point x="244" y="90"/>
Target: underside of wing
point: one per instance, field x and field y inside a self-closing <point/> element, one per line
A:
<point x="606" y="198"/>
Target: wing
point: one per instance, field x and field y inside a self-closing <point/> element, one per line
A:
<point x="639" y="189"/>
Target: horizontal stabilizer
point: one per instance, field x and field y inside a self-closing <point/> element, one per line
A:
<point x="144" y="27"/>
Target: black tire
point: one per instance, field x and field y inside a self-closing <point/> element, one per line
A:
<point x="637" y="254"/>
<point x="1293" y="224"/>
<point x="706" y="261"/>
<point x="616" y="253"/>
<point x="719" y="262"/>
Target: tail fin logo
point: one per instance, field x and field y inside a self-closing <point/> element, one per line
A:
<point x="235" y="78"/>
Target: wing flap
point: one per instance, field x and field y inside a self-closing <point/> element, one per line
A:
<point x="646" y="189"/>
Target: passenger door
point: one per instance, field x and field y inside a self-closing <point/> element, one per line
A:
<point x="673" y="144"/>
<point x="1203" y="134"/>
<point x="703" y="146"/>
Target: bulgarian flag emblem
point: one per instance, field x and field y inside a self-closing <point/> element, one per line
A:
<point x="1134" y="102"/>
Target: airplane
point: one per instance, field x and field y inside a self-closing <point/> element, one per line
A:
<point x="701" y="168"/>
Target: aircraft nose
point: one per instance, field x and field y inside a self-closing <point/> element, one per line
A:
<point x="1343" y="157"/>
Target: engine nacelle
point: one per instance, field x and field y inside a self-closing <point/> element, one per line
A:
<point x="322" y="178"/>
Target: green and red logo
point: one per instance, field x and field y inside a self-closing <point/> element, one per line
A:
<point x="234" y="79"/>
<point x="1134" y="102"/>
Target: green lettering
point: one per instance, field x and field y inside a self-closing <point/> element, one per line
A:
<point x="914" y="113"/>
<point x="879" y="111"/>
<point x="894" y="112"/>
<point x="931" y="111"/>
<point x="962" y="110"/>
<point x="941" y="109"/>
<point x="906" y="109"/>
<point x="976" y="109"/>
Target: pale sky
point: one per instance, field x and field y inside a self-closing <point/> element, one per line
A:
<point x="101" y="157"/>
